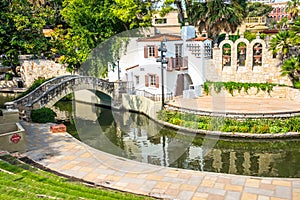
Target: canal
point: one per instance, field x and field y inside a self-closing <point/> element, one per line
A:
<point x="135" y="136"/>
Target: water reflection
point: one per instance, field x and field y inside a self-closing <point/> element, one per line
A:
<point x="137" y="137"/>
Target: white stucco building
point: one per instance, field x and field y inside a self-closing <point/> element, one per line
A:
<point x="183" y="75"/>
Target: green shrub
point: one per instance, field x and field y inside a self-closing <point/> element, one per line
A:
<point x="8" y="76"/>
<point x="275" y="129"/>
<point x="43" y="115"/>
<point x="297" y="84"/>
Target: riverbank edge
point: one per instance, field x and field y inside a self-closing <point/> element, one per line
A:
<point x="287" y="135"/>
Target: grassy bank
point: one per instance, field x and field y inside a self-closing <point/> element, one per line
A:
<point x="22" y="181"/>
<point x="231" y="125"/>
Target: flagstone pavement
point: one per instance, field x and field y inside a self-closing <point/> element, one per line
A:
<point x="63" y="153"/>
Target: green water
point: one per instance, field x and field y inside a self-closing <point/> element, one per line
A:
<point x="138" y="138"/>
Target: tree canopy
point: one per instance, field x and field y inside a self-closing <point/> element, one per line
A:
<point x="21" y="25"/>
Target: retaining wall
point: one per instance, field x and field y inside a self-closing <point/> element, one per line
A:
<point x="12" y="137"/>
<point x="277" y="92"/>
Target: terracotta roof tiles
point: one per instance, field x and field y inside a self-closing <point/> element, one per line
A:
<point x="160" y="37"/>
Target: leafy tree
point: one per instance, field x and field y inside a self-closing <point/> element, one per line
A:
<point x="291" y="67"/>
<point x="293" y="9"/>
<point x="258" y="9"/>
<point x="92" y="22"/>
<point x="21" y="25"/>
<point x="282" y="43"/>
<point x="216" y="16"/>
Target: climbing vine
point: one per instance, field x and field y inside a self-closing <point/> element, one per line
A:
<point x="232" y="86"/>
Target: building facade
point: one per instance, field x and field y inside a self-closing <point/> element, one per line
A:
<point x="279" y="11"/>
<point x="183" y="75"/>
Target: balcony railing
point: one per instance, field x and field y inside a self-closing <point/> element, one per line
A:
<point x="154" y="97"/>
<point x="178" y="63"/>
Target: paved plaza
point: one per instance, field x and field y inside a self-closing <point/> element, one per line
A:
<point x="63" y="153"/>
<point x="237" y="104"/>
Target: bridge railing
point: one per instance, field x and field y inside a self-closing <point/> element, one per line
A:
<point x="69" y="84"/>
<point x="29" y="98"/>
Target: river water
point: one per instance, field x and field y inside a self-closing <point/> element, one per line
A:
<point x="136" y="137"/>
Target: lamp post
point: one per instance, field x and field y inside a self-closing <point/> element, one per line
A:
<point x="118" y="68"/>
<point x="163" y="61"/>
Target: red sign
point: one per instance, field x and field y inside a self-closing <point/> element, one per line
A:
<point x="15" y="138"/>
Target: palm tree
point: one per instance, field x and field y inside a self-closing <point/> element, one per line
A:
<point x="291" y="67"/>
<point x="292" y="9"/>
<point x="282" y="43"/>
<point x="215" y="16"/>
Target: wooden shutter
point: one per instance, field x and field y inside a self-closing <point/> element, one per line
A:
<point x="145" y="52"/>
<point x="170" y="64"/>
<point x="155" y="51"/>
<point x="156" y="81"/>
<point x="146" y="80"/>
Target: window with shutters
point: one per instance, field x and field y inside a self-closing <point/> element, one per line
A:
<point x="152" y="80"/>
<point x="137" y="80"/>
<point x="151" y="51"/>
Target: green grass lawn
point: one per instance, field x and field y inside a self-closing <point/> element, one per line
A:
<point x="19" y="180"/>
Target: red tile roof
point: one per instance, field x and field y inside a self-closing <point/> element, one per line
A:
<point x="160" y="37"/>
<point x="199" y="39"/>
<point x="128" y="68"/>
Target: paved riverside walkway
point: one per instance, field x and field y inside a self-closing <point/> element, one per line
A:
<point x="63" y="153"/>
<point x="237" y="104"/>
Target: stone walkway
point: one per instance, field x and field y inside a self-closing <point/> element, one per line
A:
<point x="238" y="104"/>
<point x="62" y="153"/>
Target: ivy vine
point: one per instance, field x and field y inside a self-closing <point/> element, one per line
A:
<point x="232" y="86"/>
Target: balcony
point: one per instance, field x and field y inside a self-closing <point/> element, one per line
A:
<point x="178" y="63"/>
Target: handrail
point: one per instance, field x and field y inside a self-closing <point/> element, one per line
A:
<point x="42" y="88"/>
<point x="155" y="97"/>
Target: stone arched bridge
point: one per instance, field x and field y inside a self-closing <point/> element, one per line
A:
<point x="53" y="90"/>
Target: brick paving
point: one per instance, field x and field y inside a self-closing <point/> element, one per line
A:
<point x="63" y="153"/>
<point x="237" y="104"/>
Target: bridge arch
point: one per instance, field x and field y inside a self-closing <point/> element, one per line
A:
<point x="52" y="91"/>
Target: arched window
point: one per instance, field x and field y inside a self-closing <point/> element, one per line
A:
<point x="241" y="55"/>
<point x="257" y="54"/>
<point x="226" y="52"/>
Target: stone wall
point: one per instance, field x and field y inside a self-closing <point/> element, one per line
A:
<point x="267" y="71"/>
<point x="141" y="104"/>
<point x="12" y="137"/>
<point x="33" y="69"/>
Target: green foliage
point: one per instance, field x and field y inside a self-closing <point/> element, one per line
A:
<point x="258" y="9"/>
<point x="21" y="31"/>
<point x="35" y="84"/>
<point x="260" y="126"/>
<point x="43" y="115"/>
<point x="8" y="76"/>
<point x="89" y="23"/>
<point x="215" y="16"/>
<point x="251" y="36"/>
<point x="282" y="42"/>
<point x="291" y="67"/>
<point x="232" y="86"/>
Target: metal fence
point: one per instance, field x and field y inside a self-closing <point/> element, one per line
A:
<point x="154" y="97"/>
